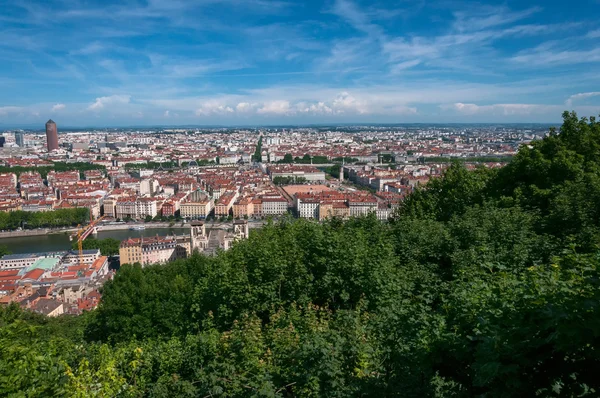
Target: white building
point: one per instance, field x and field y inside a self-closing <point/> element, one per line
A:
<point x="274" y="206"/>
<point x="308" y="208"/>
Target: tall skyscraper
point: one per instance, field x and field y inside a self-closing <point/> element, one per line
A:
<point x="19" y="139"/>
<point x="51" y="135"/>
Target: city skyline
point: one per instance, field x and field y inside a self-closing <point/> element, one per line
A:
<point x="232" y="63"/>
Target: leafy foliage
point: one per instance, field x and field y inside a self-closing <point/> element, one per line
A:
<point x="43" y="219"/>
<point x="108" y="246"/>
<point x="56" y="166"/>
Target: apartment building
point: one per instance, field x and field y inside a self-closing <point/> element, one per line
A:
<point x="197" y="209"/>
<point x="308" y="207"/>
<point x="274" y="206"/>
<point x="243" y="208"/>
<point x="153" y="250"/>
<point x="225" y="203"/>
<point x="136" y="208"/>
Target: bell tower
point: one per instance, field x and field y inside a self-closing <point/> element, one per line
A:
<point x="240" y="229"/>
<point x="198" y="237"/>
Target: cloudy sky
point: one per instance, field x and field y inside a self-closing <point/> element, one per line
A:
<point x="233" y="62"/>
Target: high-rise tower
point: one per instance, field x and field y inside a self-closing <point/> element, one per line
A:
<point x="19" y="139"/>
<point x="51" y="135"/>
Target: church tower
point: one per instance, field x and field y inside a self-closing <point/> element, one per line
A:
<point x="240" y="229"/>
<point x="198" y="237"/>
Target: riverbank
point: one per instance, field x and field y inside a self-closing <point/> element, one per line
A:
<point x="120" y="227"/>
<point x="32" y="232"/>
<point x="101" y="227"/>
<point x="148" y="225"/>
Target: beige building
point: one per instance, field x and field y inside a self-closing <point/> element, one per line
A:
<point x="243" y="208"/>
<point x="160" y="250"/>
<point x="200" y="209"/>
<point x="138" y="208"/>
<point x="130" y="251"/>
<point x="149" y="187"/>
<point x="225" y="203"/>
<point x="333" y="210"/>
<point x="109" y="207"/>
<point x="152" y="250"/>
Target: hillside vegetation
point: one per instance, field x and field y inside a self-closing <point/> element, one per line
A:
<point x="485" y="284"/>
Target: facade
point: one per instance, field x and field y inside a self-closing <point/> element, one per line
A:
<point x="199" y="209"/>
<point x="168" y="209"/>
<point x="257" y="208"/>
<point x="199" y="238"/>
<point x="333" y="210"/>
<point x="308" y="208"/>
<point x="139" y="208"/>
<point x="109" y="207"/>
<point x="20" y="139"/>
<point x="308" y="173"/>
<point x="225" y="203"/>
<point x="362" y="207"/>
<point x="148" y="186"/>
<point x="274" y="206"/>
<point x="146" y="207"/>
<point x="154" y="250"/>
<point x="88" y="256"/>
<point x="51" y="135"/>
<point x="243" y="208"/>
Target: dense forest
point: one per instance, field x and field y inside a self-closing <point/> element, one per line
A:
<point x="486" y="284"/>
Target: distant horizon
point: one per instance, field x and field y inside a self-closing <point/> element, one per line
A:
<point x="60" y="128"/>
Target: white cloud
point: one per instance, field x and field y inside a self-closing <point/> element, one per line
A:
<point x="404" y="65"/>
<point x="102" y="102"/>
<point x="344" y="102"/>
<point x="245" y="107"/>
<point x="6" y="110"/>
<point x="91" y="48"/>
<point x="58" y="107"/>
<point x="320" y="108"/>
<point x="550" y="55"/>
<point x="358" y="19"/>
<point x="580" y="96"/>
<point x="167" y="113"/>
<point x="594" y="34"/>
<point x="403" y="110"/>
<point x="501" y="109"/>
<point x="275" y="108"/>
<point x="484" y="17"/>
<point x="213" y="108"/>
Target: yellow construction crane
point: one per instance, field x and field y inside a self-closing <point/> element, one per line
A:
<point x="83" y="233"/>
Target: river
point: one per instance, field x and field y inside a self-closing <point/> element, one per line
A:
<point x="59" y="242"/>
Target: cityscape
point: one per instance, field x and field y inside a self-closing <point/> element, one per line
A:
<point x="236" y="178"/>
<point x="274" y="198"/>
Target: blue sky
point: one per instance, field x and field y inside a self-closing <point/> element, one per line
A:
<point x="99" y="63"/>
